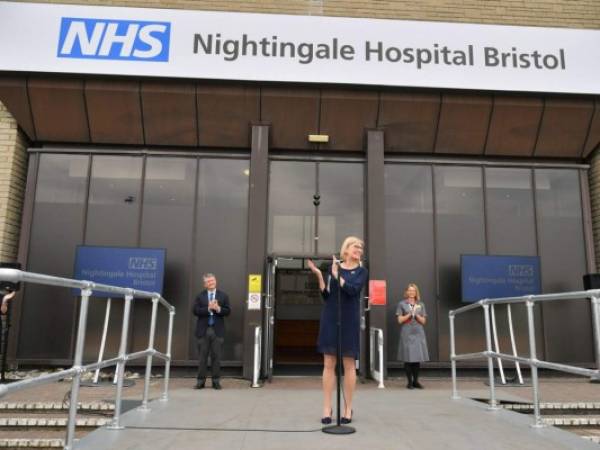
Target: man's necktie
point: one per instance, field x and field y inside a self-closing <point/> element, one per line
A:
<point x="211" y="317"/>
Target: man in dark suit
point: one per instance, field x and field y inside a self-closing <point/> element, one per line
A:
<point x="211" y="306"/>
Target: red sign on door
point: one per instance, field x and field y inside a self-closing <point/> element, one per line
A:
<point x="377" y="292"/>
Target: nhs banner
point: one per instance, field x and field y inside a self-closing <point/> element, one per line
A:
<point x="486" y="276"/>
<point x="136" y="268"/>
<point x="114" y="39"/>
<point x="214" y="45"/>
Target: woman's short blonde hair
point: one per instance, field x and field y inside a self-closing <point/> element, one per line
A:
<point x="348" y="242"/>
<point x="412" y="285"/>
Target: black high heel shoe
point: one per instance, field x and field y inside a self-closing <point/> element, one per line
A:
<point x="327" y="420"/>
<point x="347" y="420"/>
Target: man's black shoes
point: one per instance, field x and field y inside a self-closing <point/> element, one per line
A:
<point x="215" y="385"/>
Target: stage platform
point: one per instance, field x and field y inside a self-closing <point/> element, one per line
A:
<point x="287" y="416"/>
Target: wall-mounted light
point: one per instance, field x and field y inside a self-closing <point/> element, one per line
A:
<point x="318" y="138"/>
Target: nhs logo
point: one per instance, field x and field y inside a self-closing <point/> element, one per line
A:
<point x="140" y="263"/>
<point x="128" y="40"/>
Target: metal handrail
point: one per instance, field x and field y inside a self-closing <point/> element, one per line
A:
<point x="377" y="374"/>
<point x="87" y="288"/>
<point x="532" y="360"/>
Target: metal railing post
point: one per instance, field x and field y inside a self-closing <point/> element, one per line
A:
<point x="488" y="344"/>
<point x="380" y="348"/>
<point x="371" y="351"/>
<point x="455" y="395"/>
<point x="512" y="341"/>
<point x="116" y="423"/>
<point x="85" y="298"/>
<point x="103" y="341"/>
<point x="496" y="346"/>
<point x="257" y="356"/>
<point x="533" y="364"/>
<point x="165" y="394"/>
<point x="144" y="405"/>
<point x="596" y="324"/>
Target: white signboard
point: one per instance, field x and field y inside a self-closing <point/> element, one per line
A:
<point x="253" y="301"/>
<point x="307" y="49"/>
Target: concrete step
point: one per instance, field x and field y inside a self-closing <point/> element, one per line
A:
<point x="44" y="407"/>
<point x="27" y="423"/>
<point x="39" y="444"/>
<point x="565" y="421"/>
<point x="556" y="408"/>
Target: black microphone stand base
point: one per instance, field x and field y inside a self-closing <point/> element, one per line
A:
<point x="338" y="429"/>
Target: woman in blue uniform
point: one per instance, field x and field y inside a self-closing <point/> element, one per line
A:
<point x="349" y="278"/>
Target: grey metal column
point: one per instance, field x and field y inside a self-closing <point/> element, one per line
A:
<point x="257" y="233"/>
<point x="375" y="241"/>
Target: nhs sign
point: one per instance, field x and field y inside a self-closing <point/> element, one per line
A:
<point x="129" y="40"/>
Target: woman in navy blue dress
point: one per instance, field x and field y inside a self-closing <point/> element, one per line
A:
<point x="351" y="277"/>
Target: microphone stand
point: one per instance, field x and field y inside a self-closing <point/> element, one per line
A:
<point x="339" y="428"/>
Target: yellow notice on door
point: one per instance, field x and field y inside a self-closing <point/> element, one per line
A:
<point x="254" y="284"/>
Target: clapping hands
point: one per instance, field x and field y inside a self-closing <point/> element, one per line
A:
<point x="213" y="305"/>
<point x="312" y="266"/>
<point x="335" y="268"/>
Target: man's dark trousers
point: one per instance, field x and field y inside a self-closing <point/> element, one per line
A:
<point x="210" y="343"/>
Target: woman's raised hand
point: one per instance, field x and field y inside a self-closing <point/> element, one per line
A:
<point x="313" y="268"/>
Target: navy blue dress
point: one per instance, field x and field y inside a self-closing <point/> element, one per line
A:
<point x="354" y="281"/>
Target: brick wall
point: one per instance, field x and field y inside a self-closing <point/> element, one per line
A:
<point x="549" y="13"/>
<point x="594" y="177"/>
<point x="13" y="173"/>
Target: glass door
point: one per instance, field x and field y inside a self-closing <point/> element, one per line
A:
<point x="313" y="207"/>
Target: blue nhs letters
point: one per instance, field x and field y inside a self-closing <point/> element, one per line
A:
<point x="130" y="40"/>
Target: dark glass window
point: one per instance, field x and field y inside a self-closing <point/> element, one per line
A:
<point x="220" y="248"/>
<point x="567" y="325"/>
<point x="292" y="185"/>
<point x="460" y="230"/>
<point x="197" y="210"/>
<point x="510" y="212"/>
<point x="114" y="202"/>
<point x="409" y="244"/>
<point x="510" y="216"/>
<point x="47" y="324"/>
<point x="167" y="222"/>
<point x="341" y="211"/>
<point x="113" y="220"/>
